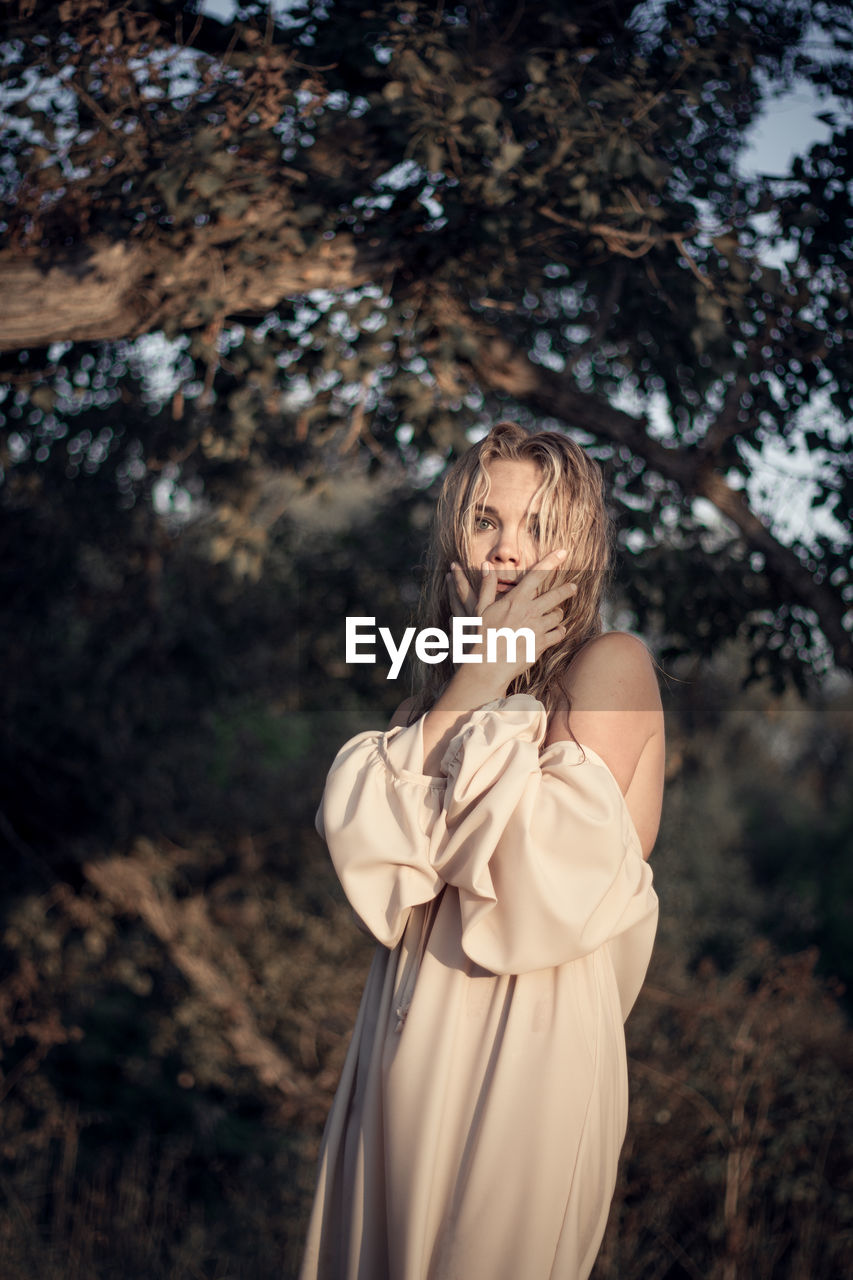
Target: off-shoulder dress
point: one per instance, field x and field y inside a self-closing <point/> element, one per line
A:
<point x="482" y="1106"/>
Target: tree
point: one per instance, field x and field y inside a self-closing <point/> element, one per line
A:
<point x="368" y="230"/>
<point x="260" y="278"/>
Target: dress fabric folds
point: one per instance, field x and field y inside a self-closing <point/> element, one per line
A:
<point x="482" y="1106"/>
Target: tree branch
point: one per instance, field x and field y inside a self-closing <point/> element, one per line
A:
<point x="726" y="423"/>
<point x="112" y="290"/>
<point x="83" y="298"/>
<point x="498" y="367"/>
<point x="108" y="291"/>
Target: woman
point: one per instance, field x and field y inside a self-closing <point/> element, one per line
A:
<point x="494" y="840"/>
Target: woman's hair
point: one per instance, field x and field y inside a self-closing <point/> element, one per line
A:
<point x="572" y="514"/>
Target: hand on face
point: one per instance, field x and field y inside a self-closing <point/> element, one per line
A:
<point x="522" y="605"/>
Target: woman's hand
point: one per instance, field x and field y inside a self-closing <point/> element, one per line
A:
<point x="462" y="596"/>
<point x="522" y="605"/>
<point x="476" y="683"/>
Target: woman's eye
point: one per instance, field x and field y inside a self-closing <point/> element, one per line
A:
<point x="482" y="522"/>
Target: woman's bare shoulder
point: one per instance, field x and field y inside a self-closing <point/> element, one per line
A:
<point x="613" y="671"/>
<point x="613" y="702"/>
<point x="614" y="707"/>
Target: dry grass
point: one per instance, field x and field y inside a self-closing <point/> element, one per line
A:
<point x="173" y="1031"/>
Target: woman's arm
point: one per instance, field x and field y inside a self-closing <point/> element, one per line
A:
<point x="462" y="696"/>
<point x="540" y="846"/>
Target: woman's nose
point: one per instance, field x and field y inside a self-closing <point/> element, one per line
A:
<point x="505" y="549"/>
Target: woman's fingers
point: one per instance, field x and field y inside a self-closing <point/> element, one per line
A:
<point x="456" y="606"/>
<point x="551" y="638"/>
<point x="553" y="618"/>
<point x="552" y="559"/>
<point x="538" y="573"/>
<point x="488" y="587"/>
<point x="524" y="606"/>
<point x="557" y="595"/>
<point x="463" y="600"/>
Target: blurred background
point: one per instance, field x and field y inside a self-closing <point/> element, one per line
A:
<point x="266" y="269"/>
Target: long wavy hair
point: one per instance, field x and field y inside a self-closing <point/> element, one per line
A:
<point x="571" y="514"/>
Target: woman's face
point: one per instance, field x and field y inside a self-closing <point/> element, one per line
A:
<point x="506" y="527"/>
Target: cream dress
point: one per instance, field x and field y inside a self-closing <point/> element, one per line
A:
<point x="482" y="1106"/>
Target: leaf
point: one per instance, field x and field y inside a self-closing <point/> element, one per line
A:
<point x="653" y="170"/>
<point x="447" y="62"/>
<point x="537" y="70"/>
<point x="486" y="137"/>
<point x="727" y="244"/>
<point x="44" y="398"/>
<point x="307" y="213"/>
<point x="485" y="109"/>
<point x="207" y="183"/>
<point x="207" y="140"/>
<point x="590" y="204"/>
<point x="510" y="154"/>
<point x="170" y="184"/>
<point x="414" y="67"/>
<point x="234" y="205"/>
<point x="224" y="161"/>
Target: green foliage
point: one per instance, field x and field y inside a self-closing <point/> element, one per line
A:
<point x="760" y="822"/>
<point x="149" y="690"/>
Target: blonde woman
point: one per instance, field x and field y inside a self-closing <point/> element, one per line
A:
<point x="495" y="841"/>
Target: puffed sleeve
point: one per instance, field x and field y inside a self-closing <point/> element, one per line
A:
<point x="378" y="816"/>
<point x="540" y="847"/>
<point x="542" y="850"/>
